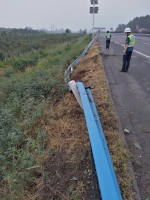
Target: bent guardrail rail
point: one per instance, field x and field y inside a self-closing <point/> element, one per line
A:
<point x="68" y="70"/>
<point x="107" y="180"/>
<point x="108" y="184"/>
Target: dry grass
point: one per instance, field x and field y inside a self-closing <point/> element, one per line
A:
<point x="69" y="151"/>
<point x="94" y="76"/>
<point x="69" y="146"/>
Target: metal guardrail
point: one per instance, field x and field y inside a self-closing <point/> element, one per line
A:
<point x="145" y="35"/>
<point x="68" y="70"/>
<point x="107" y="180"/>
<point x="137" y="34"/>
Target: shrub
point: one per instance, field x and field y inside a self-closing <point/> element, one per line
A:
<point x="1" y="56"/>
<point x="19" y="64"/>
<point x="9" y="72"/>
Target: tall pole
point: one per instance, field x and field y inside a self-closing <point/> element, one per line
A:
<point x="93" y="16"/>
<point x="94" y="10"/>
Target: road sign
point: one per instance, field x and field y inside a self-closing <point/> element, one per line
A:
<point x="94" y="1"/>
<point x="137" y="27"/>
<point x="101" y="28"/>
<point x="95" y="9"/>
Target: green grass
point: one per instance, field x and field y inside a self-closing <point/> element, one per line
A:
<point x="25" y="96"/>
<point x="18" y="42"/>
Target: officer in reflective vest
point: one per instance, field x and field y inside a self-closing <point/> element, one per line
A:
<point x="128" y="49"/>
<point x="108" y="36"/>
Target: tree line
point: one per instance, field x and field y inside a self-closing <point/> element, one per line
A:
<point x="141" y="22"/>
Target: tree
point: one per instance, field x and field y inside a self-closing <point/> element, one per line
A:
<point x="143" y="22"/>
<point x="121" y="28"/>
<point x="68" y="31"/>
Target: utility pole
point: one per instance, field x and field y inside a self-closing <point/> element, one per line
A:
<point x="93" y="14"/>
<point x="94" y="10"/>
<point x="52" y="27"/>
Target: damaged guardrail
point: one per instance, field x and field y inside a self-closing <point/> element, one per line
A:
<point x="68" y="70"/>
<point x="107" y="180"/>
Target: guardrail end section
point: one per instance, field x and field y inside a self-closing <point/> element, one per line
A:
<point x="73" y="86"/>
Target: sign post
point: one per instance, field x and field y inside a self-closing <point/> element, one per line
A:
<point x="137" y="27"/>
<point x="94" y="10"/>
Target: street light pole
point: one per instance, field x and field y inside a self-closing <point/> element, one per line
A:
<point x="93" y="16"/>
<point x="93" y="10"/>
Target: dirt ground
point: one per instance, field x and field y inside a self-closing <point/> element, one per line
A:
<point x="68" y="168"/>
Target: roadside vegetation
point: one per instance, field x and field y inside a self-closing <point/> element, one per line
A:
<point x="31" y="79"/>
<point x="17" y="42"/>
<point x="90" y="71"/>
<point x="44" y="144"/>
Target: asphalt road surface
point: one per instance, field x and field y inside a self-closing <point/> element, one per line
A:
<point x="130" y="92"/>
<point x="142" y="44"/>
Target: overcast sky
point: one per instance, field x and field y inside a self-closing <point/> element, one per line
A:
<point x="72" y="14"/>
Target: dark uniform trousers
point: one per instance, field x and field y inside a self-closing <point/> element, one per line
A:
<point x="126" y="60"/>
<point x="107" y="44"/>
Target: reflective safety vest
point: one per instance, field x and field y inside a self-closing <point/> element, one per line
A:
<point x="108" y="35"/>
<point x="132" y="40"/>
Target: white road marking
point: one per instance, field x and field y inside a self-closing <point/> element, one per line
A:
<point x="141" y="54"/>
<point x="134" y="51"/>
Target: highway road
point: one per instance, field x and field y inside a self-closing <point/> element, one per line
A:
<point x="142" y="44"/>
<point x="130" y="92"/>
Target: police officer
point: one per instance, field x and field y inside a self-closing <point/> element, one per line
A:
<point x="128" y="49"/>
<point x="108" y="36"/>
